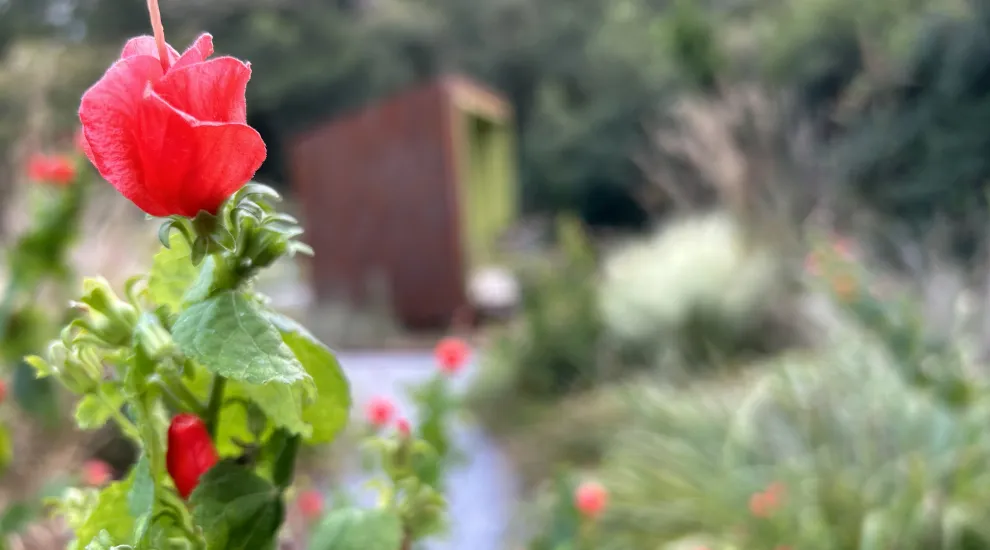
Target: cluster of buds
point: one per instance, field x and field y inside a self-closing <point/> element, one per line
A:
<point x="246" y="235"/>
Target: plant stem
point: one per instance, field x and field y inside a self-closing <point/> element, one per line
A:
<point x="182" y="391"/>
<point x="215" y="404"/>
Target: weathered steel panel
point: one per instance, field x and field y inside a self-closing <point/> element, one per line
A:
<point x="378" y="193"/>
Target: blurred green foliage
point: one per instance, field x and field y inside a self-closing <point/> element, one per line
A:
<point x="855" y="458"/>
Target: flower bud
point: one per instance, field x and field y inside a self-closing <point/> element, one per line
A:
<point x="403" y="427"/>
<point x="190" y="452"/>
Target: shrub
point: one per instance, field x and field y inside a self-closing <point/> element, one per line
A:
<point x="828" y="452"/>
<point x="697" y="287"/>
<point x="554" y="348"/>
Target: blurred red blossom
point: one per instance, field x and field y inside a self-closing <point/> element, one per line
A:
<point x="310" y="504"/>
<point x="590" y="499"/>
<point x="54" y="169"/>
<point x="451" y="354"/>
<point x="379" y="411"/>
<point x="96" y="473"/>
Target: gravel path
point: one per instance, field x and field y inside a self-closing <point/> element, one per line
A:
<point x="483" y="490"/>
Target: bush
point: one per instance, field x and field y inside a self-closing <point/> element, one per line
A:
<point x="554" y="348"/>
<point x="827" y="452"/>
<point x="698" y="288"/>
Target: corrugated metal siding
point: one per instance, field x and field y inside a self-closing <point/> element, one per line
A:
<point x="378" y="194"/>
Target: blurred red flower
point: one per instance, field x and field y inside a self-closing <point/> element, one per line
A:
<point x="765" y="503"/>
<point x="96" y="473"/>
<point x="451" y="354"/>
<point x="55" y="169"/>
<point x="379" y="411"/>
<point x="3" y="391"/>
<point x="590" y="499"/>
<point x="190" y="452"/>
<point x="171" y="134"/>
<point x="310" y="504"/>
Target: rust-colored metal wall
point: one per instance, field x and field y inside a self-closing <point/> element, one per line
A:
<point x="378" y="195"/>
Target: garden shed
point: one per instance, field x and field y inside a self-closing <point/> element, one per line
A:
<point x="414" y="191"/>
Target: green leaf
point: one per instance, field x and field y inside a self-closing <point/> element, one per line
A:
<point x="236" y="509"/>
<point x="230" y="336"/>
<point x="111" y="514"/>
<point x="141" y="500"/>
<point x="172" y="273"/>
<point x="329" y="411"/>
<point x="356" y="529"/>
<point x="92" y="411"/>
<point x="282" y="404"/>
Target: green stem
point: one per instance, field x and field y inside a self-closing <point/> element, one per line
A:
<point x="215" y="404"/>
<point x="126" y="426"/>
<point x="183" y="393"/>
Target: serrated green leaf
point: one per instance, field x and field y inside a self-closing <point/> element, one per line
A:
<point x="236" y="509"/>
<point x="92" y="411"/>
<point x="282" y="404"/>
<point x="230" y="336"/>
<point x="356" y="529"/>
<point x="110" y="513"/>
<point x="172" y="273"/>
<point x="141" y="499"/>
<point x="329" y="411"/>
<point x="203" y="285"/>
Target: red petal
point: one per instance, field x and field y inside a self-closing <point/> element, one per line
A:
<point x="108" y="113"/>
<point x="145" y="45"/>
<point x="212" y="91"/>
<point x="201" y="49"/>
<point x="197" y="165"/>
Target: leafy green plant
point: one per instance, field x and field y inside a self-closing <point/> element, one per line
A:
<point x="829" y="451"/>
<point x="218" y="391"/>
<point x="37" y="259"/>
<point x="698" y="289"/>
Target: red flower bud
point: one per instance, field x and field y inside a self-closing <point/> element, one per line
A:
<point x="51" y="169"/>
<point x="171" y="134"/>
<point x="403" y="427"/>
<point x="590" y="498"/>
<point x="190" y="452"/>
<point x="310" y="504"/>
<point x="379" y="411"/>
<point x="451" y="354"/>
<point x="96" y="473"/>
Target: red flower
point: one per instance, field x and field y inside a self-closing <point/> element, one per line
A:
<point x="451" y="354"/>
<point x="310" y="504"/>
<point x="403" y="427"/>
<point x="171" y="134"/>
<point x="3" y="391"/>
<point x="379" y="411"/>
<point x="764" y="504"/>
<point x="96" y="473"/>
<point x="190" y="452"/>
<point x="51" y="169"/>
<point x="590" y="499"/>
